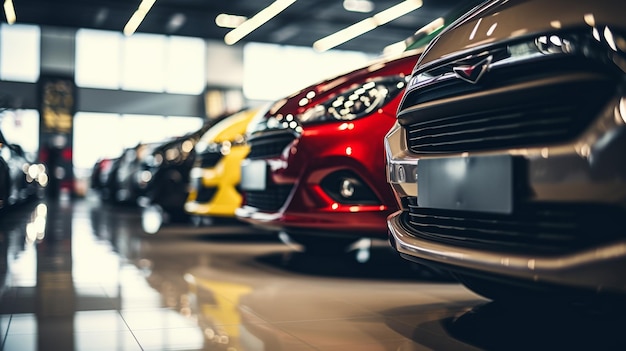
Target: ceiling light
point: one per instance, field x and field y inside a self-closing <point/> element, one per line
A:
<point x="9" y="11"/>
<point x="256" y="21"/>
<point x="395" y="48"/>
<point x="396" y="11"/>
<point x="229" y="21"/>
<point x="175" y="22"/>
<point x="137" y="17"/>
<point x="344" y="35"/>
<point x="101" y="16"/>
<point x="358" y="5"/>
<point x="420" y="34"/>
<point x="366" y="25"/>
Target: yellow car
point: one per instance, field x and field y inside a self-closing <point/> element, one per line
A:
<point x="214" y="178"/>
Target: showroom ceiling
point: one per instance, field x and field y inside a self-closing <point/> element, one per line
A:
<point x="301" y="24"/>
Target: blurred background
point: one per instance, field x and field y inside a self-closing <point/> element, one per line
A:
<point x="81" y="81"/>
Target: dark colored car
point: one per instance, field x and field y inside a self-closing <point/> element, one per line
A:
<point x="507" y="153"/>
<point x="21" y="178"/>
<point x="100" y="172"/>
<point x="163" y="175"/>
<point x="313" y="171"/>
<point x="120" y="178"/>
<point x="104" y="179"/>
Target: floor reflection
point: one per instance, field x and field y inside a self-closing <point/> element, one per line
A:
<point x="495" y="326"/>
<point x="80" y="275"/>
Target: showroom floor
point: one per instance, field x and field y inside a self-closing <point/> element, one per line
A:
<point x="80" y="275"/>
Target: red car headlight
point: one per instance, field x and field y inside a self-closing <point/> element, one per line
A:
<point x="357" y="102"/>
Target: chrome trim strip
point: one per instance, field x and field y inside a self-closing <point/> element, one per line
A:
<point x="586" y="269"/>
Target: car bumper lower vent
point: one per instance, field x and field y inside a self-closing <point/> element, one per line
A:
<point x="205" y="194"/>
<point x="271" y="199"/>
<point x="542" y="229"/>
<point x="271" y="145"/>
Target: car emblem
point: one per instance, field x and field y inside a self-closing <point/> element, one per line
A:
<point x="473" y="73"/>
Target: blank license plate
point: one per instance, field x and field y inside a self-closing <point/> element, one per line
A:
<point x="479" y="183"/>
<point x="253" y="175"/>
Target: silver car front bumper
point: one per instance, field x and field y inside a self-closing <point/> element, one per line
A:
<point x="589" y="170"/>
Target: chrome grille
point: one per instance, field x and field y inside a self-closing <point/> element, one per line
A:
<point x="527" y="97"/>
<point x="505" y="111"/>
<point x="507" y="127"/>
<point x="542" y="229"/>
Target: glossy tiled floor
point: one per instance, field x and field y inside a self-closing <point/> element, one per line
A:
<point x="78" y="275"/>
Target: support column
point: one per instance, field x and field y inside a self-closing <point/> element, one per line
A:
<point x="57" y="101"/>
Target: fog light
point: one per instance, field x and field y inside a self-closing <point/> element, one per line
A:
<point x="347" y="188"/>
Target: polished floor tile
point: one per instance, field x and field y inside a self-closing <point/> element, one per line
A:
<point x="82" y="275"/>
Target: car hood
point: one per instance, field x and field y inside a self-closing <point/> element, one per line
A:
<point x="507" y="20"/>
<point x="322" y="91"/>
<point x="231" y="128"/>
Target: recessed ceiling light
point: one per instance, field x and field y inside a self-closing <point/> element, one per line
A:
<point x="176" y="21"/>
<point x="364" y="6"/>
<point x="229" y="21"/>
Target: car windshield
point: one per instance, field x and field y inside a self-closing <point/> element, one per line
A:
<point x="427" y="33"/>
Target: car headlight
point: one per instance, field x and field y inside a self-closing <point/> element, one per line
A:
<point x="355" y="103"/>
<point x="154" y="160"/>
<point x="173" y="154"/>
<point x="223" y="147"/>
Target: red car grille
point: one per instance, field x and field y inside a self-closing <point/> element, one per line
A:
<point x="271" y="199"/>
<point x="270" y="145"/>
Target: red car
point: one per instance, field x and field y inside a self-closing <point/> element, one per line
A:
<point x="313" y="173"/>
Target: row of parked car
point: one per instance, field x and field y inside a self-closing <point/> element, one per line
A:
<point x="22" y="178"/>
<point x="495" y="154"/>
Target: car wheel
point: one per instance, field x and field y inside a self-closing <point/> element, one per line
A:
<point x="318" y="245"/>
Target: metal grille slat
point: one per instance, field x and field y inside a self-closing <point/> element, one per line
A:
<point x="546" y="228"/>
<point x="512" y="127"/>
<point x="520" y="104"/>
<point x="459" y="126"/>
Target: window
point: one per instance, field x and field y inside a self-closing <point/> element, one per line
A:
<point x="98" y="60"/>
<point x="185" y="65"/>
<point x="141" y="62"/>
<point x="273" y="71"/>
<point x="143" y="68"/>
<point x="21" y="127"/>
<point x="106" y="135"/>
<point x="181" y="125"/>
<point x="19" y="52"/>
<point x="95" y="136"/>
